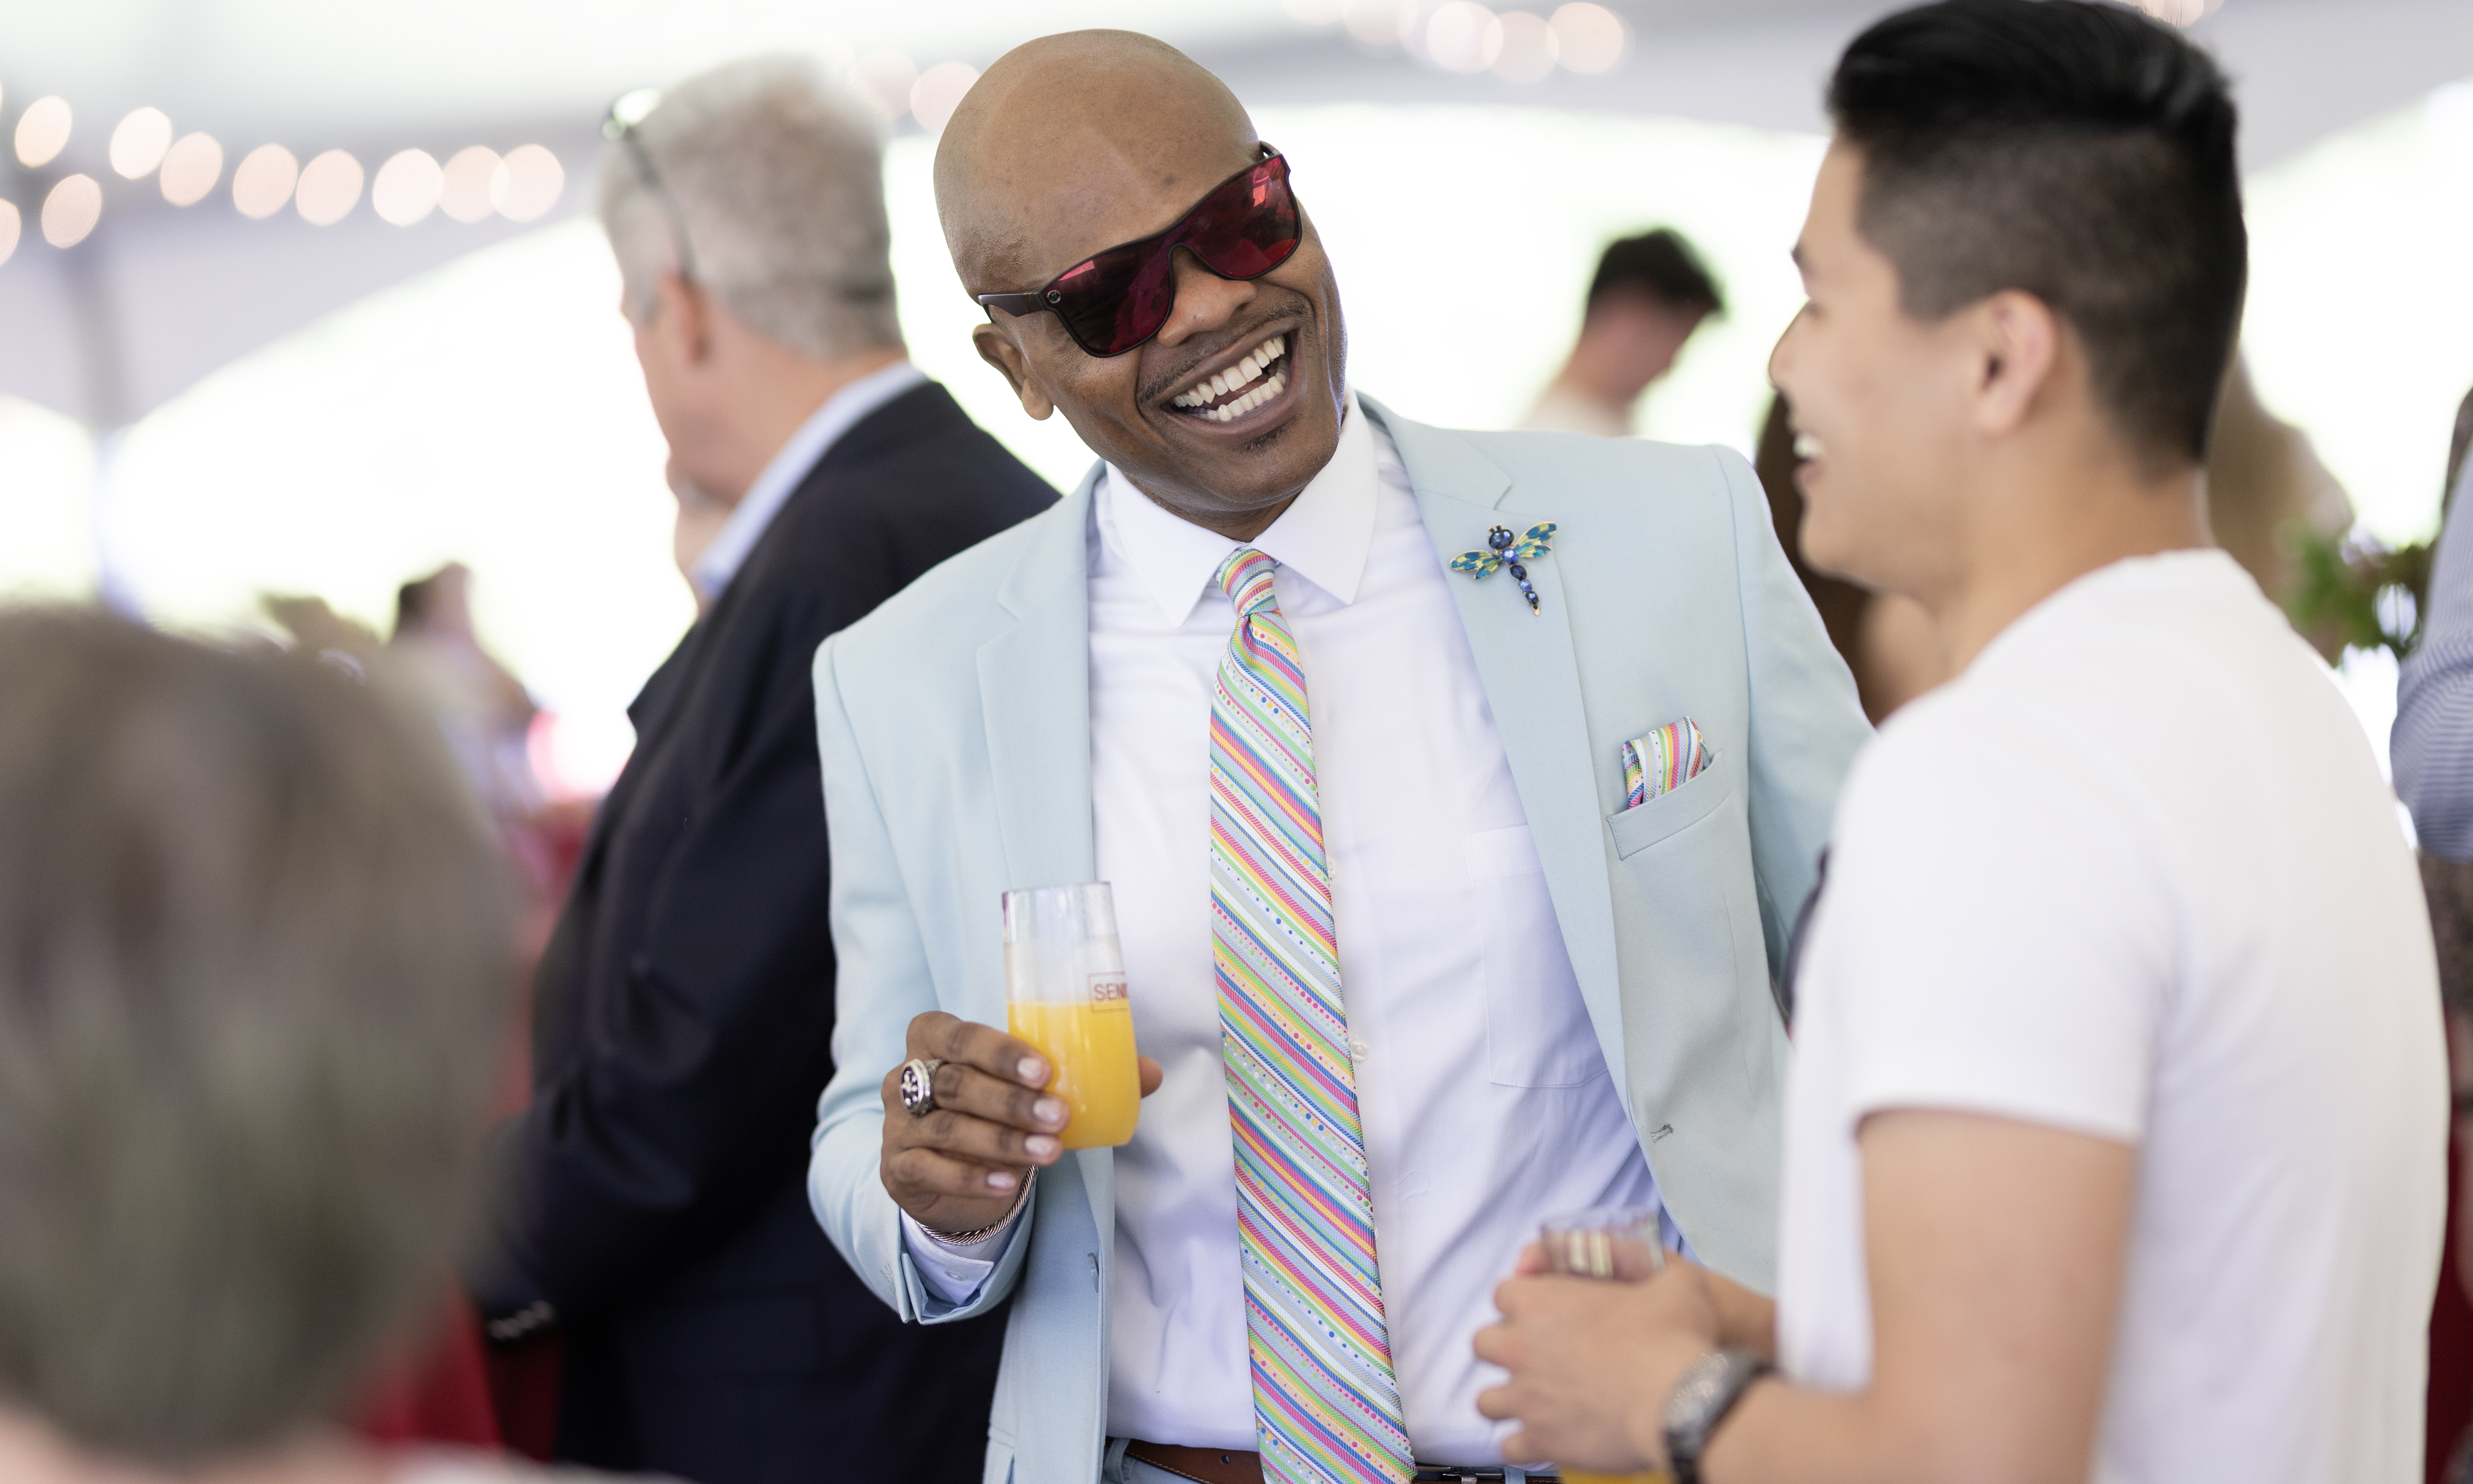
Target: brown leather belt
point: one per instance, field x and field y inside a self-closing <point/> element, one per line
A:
<point x="1229" y="1466"/>
<point x="1202" y="1465"/>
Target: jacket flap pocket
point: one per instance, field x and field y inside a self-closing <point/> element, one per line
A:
<point x="1637" y="829"/>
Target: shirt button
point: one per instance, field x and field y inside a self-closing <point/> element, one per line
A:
<point x="1359" y="1049"/>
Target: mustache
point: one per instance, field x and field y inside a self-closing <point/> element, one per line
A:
<point x="1294" y="306"/>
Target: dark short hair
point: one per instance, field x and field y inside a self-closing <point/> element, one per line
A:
<point x="2074" y="150"/>
<point x="254" y="959"/>
<point x="1662" y="264"/>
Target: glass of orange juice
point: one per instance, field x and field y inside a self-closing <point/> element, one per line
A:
<point x="1585" y="1244"/>
<point x="1064" y="994"/>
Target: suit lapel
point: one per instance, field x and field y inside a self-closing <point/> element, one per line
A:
<point x="654" y="714"/>
<point x="1035" y="693"/>
<point x="1532" y="681"/>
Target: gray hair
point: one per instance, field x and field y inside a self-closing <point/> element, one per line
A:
<point x="254" y="956"/>
<point x="778" y="184"/>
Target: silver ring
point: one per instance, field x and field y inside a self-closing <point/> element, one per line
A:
<point x="919" y="1084"/>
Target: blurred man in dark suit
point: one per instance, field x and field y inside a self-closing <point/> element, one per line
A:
<point x="657" y="1218"/>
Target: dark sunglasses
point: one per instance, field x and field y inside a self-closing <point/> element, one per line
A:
<point x="1117" y="300"/>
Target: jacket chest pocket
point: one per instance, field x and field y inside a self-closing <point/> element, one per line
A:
<point x="1672" y="812"/>
<point x="1537" y="1030"/>
<point x="1684" y="876"/>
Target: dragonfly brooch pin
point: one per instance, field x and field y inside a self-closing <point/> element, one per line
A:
<point x="1505" y="551"/>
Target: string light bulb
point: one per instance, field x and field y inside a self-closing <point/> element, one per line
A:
<point x="190" y="169"/>
<point x="71" y="210"/>
<point x="141" y="142"/>
<point x="43" y="132"/>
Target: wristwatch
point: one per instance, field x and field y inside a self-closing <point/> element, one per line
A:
<point x="1700" y="1400"/>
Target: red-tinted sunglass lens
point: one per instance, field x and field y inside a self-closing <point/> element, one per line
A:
<point x="1115" y="301"/>
<point x="1242" y="230"/>
<point x="1248" y="226"/>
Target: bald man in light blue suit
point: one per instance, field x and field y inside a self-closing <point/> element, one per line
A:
<point x="954" y="727"/>
<point x="1037" y="709"/>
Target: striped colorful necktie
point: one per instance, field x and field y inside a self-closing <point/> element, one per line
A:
<point x="1325" y="1404"/>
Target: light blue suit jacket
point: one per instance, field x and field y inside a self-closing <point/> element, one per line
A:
<point x="954" y="725"/>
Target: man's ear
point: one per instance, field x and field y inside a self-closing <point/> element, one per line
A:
<point x="683" y="317"/>
<point x="2018" y="345"/>
<point x="997" y="349"/>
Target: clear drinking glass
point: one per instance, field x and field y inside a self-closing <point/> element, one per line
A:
<point x="1583" y="1244"/>
<point x="1064" y="994"/>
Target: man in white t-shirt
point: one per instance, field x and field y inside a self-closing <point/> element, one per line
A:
<point x="2116" y="1132"/>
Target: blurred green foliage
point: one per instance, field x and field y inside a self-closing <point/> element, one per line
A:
<point x="2353" y="593"/>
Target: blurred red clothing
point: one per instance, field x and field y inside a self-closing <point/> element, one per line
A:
<point x="444" y="1398"/>
<point x="454" y="1388"/>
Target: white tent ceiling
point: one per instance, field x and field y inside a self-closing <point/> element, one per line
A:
<point x="159" y="297"/>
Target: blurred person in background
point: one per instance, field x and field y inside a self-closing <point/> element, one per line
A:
<point x="2458" y="445"/>
<point x="2115" y="1134"/>
<point x="1498" y="863"/>
<point x="254" y="950"/>
<point x="2433" y="750"/>
<point x="699" y="521"/>
<point x="2432" y="745"/>
<point x="1650" y="293"/>
<point x="485" y="712"/>
<point x="656" y="1220"/>
<point x="2265" y="490"/>
<point x="1887" y="638"/>
<point x="437" y="1388"/>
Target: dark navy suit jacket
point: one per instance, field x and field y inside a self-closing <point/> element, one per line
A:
<point x="683" y="1023"/>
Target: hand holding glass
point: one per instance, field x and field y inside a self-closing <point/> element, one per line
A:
<point x="1064" y="994"/>
<point x="1604" y="1242"/>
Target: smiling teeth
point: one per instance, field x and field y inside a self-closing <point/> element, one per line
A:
<point x="1238" y="408"/>
<point x="1806" y="446"/>
<point x="1240" y="374"/>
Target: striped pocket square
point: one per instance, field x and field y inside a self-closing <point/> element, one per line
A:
<point x="1666" y="760"/>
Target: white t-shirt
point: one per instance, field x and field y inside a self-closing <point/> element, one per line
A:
<point x="2134" y="875"/>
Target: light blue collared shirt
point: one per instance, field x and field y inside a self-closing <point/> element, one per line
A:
<point x="2432" y="741"/>
<point x="816" y="437"/>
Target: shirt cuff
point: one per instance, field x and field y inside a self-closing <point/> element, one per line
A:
<point x="955" y="1271"/>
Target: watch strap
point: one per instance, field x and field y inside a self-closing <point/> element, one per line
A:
<point x="1702" y="1396"/>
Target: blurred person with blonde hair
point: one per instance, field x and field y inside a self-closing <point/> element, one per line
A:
<point x="658" y="1224"/>
<point x="254" y="945"/>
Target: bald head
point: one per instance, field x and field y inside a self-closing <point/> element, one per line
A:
<point x="1074" y="144"/>
<point x="1053" y="131"/>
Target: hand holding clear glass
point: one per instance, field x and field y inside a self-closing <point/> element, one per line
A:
<point x="1064" y="994"/>
<point x="1604" y="1242"/>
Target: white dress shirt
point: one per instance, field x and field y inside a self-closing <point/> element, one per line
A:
<point x="1485" y="1101"/>
<point x="772" y="489"/>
